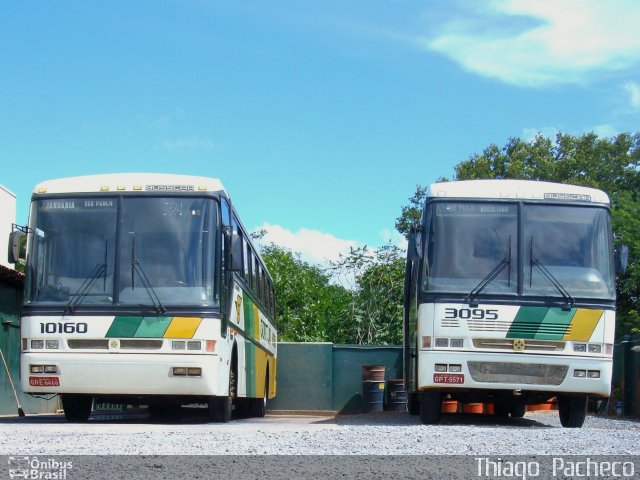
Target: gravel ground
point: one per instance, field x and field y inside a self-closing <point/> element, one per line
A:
<point x="538" y="433"/>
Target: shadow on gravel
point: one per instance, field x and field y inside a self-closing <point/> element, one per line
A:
<point x="459" y="419"/>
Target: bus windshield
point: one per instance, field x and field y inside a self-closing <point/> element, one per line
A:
<point x="470" y="242"/>
<point x="163" y="253"/>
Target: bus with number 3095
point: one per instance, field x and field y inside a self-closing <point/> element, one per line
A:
<point x="145" y="289"/>
<point x="510" y="298"/>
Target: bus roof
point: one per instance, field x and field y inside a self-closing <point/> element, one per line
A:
<point x="517" y="189"/>
<point x="128" y="182"/>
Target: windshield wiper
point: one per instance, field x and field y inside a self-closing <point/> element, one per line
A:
<point x="99" y="270"/>
<point x="490" y="277"/>
<point x="137" y="268"/>
<point x="568" y="299"/>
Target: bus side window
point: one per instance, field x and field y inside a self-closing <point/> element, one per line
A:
<point x="257" y="279"/>
<point x="236" y="231"/>
<point x="246" y="258"/>
<point x="249" y="267"/>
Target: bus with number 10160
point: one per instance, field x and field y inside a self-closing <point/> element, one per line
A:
<point x="145" y="289"/>
<point x="510" y="298"/>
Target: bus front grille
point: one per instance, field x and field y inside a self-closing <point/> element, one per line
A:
<point x="140" y="344"/>
<point x="508" y="344"/>
<point x="517" y="373"/>
<point x="124" y="344"/>
<point x="82" y="344"/>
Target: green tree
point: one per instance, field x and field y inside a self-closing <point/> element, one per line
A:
<point x="309" y="307"/>
<point x="376" y="281"/>
<point x="610" y="164"/>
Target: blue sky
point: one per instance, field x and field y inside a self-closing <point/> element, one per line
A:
<point x="319" y="117"/>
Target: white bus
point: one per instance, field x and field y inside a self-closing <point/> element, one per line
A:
<point x="145" y="289"/>
<point x="510" y="298"/>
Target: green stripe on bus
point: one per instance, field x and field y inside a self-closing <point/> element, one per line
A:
<point x="124" y="327"/>
<point x="249" y="348"/>
<point x="527" y="322"/>
<point x="153" y="327"/>
<point x="555" y="324"/>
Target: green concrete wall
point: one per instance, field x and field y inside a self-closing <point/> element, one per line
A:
<point x="626" y="375"/>
<point x="10" y="301"/>
<point x="323" y="376"/>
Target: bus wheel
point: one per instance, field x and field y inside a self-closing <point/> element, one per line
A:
<point x="77" y="408"/>
<point x="501" y="410"/>
<point x="430" y="407"/>
<point x="518" y="410"/>
<point x="413" y="404"/>
<point x="572" y="410"/>
<point x="220" y="407"/>
<point x="259" y="405"/>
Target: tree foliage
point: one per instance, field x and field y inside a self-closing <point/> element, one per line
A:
<point x="377" y="281"/>
<point x="356" y="300"/>
<point x="309" y="307"/>
<point x="609" y="164"/>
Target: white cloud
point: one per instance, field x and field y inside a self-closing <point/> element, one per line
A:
<point x="633" y="89"/>
<point x="394" y="237"/>
<point x="542" y="42"/>
<point x="314" y="246"/>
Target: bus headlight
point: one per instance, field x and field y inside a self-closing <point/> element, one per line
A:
<point x="53" y="344"/>
<point x="37" y="344"/>
<point x="595" y="348"/>
<point x="580" y="347"/>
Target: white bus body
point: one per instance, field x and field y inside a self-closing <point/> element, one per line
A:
<point x="510" y="298"/>
<point x="145" y="288"/>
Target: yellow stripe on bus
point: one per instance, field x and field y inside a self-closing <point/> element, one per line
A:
<point x="183" y="327"/>
<point x="583" y="324"/>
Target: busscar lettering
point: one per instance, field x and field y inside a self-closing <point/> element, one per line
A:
<point x="169" y="188"/>
<point x="568" y="197"/>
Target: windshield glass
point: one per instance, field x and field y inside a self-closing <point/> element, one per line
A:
<point x="76" y="260"/>
<point x="70" y="242"/>
<point x="466" y="242"/>
<point x="572" y="243"/>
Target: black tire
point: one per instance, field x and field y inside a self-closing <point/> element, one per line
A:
<point x="501" y="410"/>
<point x="430" y="407"/>
<point x="413" y="404"/>
<point x="77" y="408"/>
<point x="259" y="405"/>
<point x="572" y="410"/>
<point x="220" y="408"/>
<point x="518" y="410"/>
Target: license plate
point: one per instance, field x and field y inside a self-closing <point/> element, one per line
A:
<point x="448" y="378"/>
<point x="44" y="381"/>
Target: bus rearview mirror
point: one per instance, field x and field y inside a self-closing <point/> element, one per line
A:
<point x="236" y="253"/>
<point x="14" y="246"/>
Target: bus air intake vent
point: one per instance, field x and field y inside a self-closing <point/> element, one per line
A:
<point x="488" y="325"/>
<point x="517" y="373"/>
<point x="507" y="344"/>
<point x="87" y="344"/>
<point x="449" y="323"/>
<point x="140" y="344"/>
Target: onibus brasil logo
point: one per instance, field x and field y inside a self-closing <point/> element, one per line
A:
<point x="34" y="468"/>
